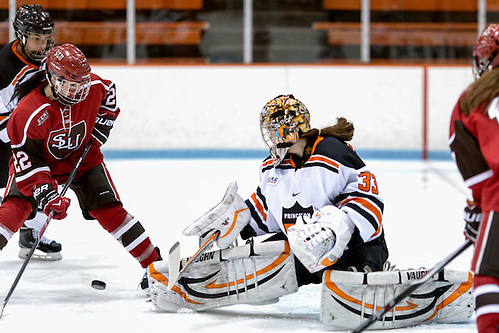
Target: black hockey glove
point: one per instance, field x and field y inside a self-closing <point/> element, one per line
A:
<point x="102" y="129"/>
<point x="472" y="219"/>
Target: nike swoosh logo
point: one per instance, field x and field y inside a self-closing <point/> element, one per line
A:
<point x="295" y="194"/>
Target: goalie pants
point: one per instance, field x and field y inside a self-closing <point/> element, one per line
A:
<point x="486" y="268"/>
<point x="368" y="256"/>
<point x="98" y="200"/>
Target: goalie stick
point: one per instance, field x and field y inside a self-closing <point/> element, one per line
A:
<point x="416" y="284"/>
<point x="174" y="258"/>
<point x="42" y="230"/>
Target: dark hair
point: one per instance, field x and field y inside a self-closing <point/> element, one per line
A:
<point x="343" y="130"/>
<point x="23" y="89"/>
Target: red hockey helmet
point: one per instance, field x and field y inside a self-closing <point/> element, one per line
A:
<point x="68" y="73"/>
<point x="485" y="51"/>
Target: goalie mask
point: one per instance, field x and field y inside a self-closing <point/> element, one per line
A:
<point x="68" y="74"/>
<point x="485" y="51"/>
<point x="34" y="29"/>
<point x="283" y="121"/>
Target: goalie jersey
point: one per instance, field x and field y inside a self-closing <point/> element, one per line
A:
<point x="333" y="174"/>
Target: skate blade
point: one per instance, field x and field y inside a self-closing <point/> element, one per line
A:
<point x="40" y="255"/>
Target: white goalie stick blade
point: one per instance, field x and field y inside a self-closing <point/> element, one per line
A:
<point x="174" y="258"/>
<point x="174" y="263"/>
<point x="349" y="298"/>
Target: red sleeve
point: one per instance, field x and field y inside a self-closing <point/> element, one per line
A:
<point x="108" y="112"/>
<point x="473" y="141"/>
<point x="27" y="142"/>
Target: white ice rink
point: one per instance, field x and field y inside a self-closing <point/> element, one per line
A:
<point x="423" y="210"/>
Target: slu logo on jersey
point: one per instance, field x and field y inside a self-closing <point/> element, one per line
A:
<point x="63" y="142"/>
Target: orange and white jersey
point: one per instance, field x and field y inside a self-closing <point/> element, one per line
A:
<point x="15" y="71"/>
<point x="333" y="175"/>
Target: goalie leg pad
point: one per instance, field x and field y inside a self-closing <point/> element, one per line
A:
<point x="250" y="274"/>
<point x="350" y="298"/>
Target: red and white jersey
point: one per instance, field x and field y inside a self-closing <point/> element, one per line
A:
<point x="333" y="175"/>
<point x="48" y="137"/>
<point x="474" y="142"/>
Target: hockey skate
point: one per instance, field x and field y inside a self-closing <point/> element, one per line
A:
<point x="47" y="249"/>
<point x="144" y="282"/>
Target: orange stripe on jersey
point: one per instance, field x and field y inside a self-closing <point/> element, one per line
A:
<point x="370" y="207"/>
<point x="259" y="206"/>
<point x="14" y="49"/>
<point x="327" y="160"/>
<point x="319" y="139"/>
<point x="268" y="163"/>
<point x="28" y="64"/>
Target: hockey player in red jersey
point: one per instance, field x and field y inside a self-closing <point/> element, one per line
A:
<point x="19" y="61"/>
<point x="474" y="142"/>
<point x="66" y="107"/>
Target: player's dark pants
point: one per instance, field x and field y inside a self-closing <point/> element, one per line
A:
<point x="98" y="200"/>
<point x="485" y="265"/>
<point x="5" y="155"/>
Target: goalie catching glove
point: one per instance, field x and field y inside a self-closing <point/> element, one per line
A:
<point x="320" y="240"/>
<point x="229" y="217"/>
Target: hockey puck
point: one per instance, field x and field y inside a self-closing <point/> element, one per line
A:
<point x="99" y="285"/>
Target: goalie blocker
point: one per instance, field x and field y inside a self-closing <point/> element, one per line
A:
<point x="261" y="273"/>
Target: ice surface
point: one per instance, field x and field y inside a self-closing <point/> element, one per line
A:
<point x="423" y="223"/>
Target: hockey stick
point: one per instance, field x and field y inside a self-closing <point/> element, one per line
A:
<point x="42" y="230"/>
<point x="174" y="258"/>
<point x="416" y="284"/>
